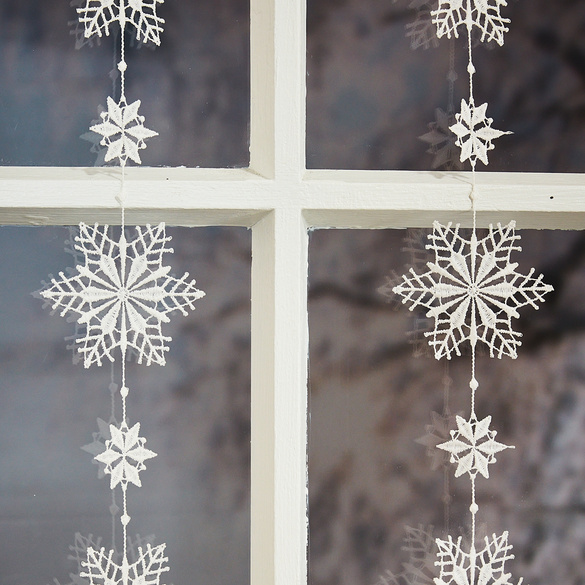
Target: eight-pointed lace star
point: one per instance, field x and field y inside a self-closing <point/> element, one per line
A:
<point x="473" y="446"/>
<point x="474" y="133"/>
<point x="123" y="131"/>
<point x="122" y="294"/>
<point x="125" y="455"/>
<point x="472" y="290"/>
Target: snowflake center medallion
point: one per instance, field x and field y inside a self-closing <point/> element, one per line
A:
<point x="473" y="290"/>
<point x="123" y="295"/>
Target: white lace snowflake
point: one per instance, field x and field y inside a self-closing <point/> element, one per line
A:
<point x="102" y="569"/>
<point x="476" y="567"/>
<point x="124" y="455"/>
<point x="123" y="294"/>
<point x="481" y="14"/>
<point x="473" y="446"/>
<point x="123" y="131"/>
<point x="472" y="290"/>
<point x="97" y="16"/>
<point x="474" y="133"/>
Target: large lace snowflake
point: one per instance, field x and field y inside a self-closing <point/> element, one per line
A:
<point x="123" y="131"/>
<point x="472" y="290"/>
<point x="124" y="455"/>
<point x="473" y="446"/>
<point x="474" y="132"/>
<point x="481" y="14"/>
<point x="97" y="16"/>
<point x="102" y="569"/>
<point x="483" y="567"/>
<point x="122" y="294"/>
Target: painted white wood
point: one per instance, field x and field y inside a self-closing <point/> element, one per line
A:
<point x="279" y="398"/>
<point x="328" y="199"/>
<point x="262" y="557"/>
<point x="278" y="72"/>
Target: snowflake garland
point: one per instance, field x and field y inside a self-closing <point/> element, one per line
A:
<point x="122" y="128"/>
<point x="123" y="294"/>
<point x="472" y="290"/>
<point x="119" y="295"/>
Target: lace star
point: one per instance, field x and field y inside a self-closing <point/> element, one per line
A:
<point x="473" y="446"/>
<point x="125" y="455"/>
<point x="472" y="290"/>
<point x="476" y="567"/>
<point x="123" y="131"/>
<point x="122" y="294"/>
<point x="474" y="133"/>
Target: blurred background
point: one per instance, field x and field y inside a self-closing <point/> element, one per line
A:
<point x="381" y="90"/>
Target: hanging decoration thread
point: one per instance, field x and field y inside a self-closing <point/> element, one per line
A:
<point x="120" y="295"/>
<point x="472" y="291"/>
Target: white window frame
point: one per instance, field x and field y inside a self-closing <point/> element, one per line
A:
<point x="280" y="201"/>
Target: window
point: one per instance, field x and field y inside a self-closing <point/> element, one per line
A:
<point x="280" y="201"/>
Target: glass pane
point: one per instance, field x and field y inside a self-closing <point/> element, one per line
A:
<point x="194" y="413"/>
<point x="194" y="88"/>
<point x="372" y="96"/>
<point x="379" y="492"/>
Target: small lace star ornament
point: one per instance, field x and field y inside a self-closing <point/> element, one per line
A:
<point x="123" y="131"/>
<point x="472" y="290"/>
<point x="473" y="446"/>
<point x="474" y="133"/>
<point x="122" y="294"/>
<point x="481" y="14"/>
<point x="124" y="455"/>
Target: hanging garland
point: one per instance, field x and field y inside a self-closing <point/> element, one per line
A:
<point x="472" y="291"/>
<point x="120" y="296"/>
